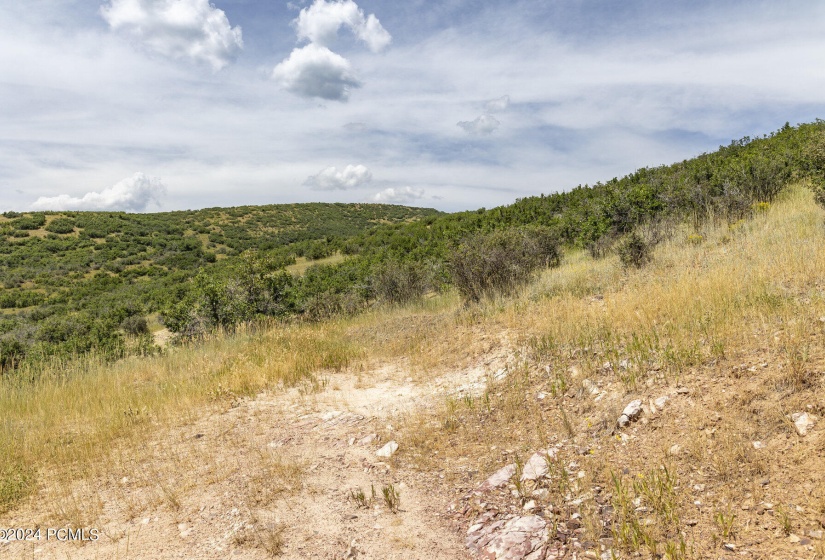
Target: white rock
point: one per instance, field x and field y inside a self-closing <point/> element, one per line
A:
<point x="500" y="477"/>
<point x="803" y="422"/>
<point x="675" y="449"/>
<point x="633" y="409"/>
<point x="536" y="467"/>
<point x="530" y="506"/>
<point x="660" y="402"/>
<point x="388" y="450"/>
<point x="758" y="445"/>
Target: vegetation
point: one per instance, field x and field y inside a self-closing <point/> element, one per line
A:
<point x="76" y="282"/>
<point x="71" y="280"/>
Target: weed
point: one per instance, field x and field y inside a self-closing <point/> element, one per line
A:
<point x="725" y="523"/>
<point x="392" y="499"/>
<point x="783" y="516"/>
<point x="359" y="498"/>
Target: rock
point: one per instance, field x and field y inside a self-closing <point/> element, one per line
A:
<point x="793" y="538"/>
<point x="368" y="439"/>
<point x="758" y="445"/>
<point x="536" y="467"/>
<point x="520" y="538"/>
<point x="630" y="413"/>
<point x="803" y="422"/>
<point x="589" y="387"/>
<point x="499" y="478"/>
<point x="660" y="402"/>
<point x="530" y="506"/>
<point x="730" y="546"/>
<point x="388" y="450"/>
<point x="817" y="534"/>
<point x="675" y="449"/>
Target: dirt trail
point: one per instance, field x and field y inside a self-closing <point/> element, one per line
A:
<point x="276" y="472"/>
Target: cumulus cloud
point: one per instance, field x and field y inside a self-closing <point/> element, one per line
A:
<point x="315" y="71"/>
<point x="320" y="23"/>
<point x="404" y="195"/>
<point x="330" y="179"/>
<point x="497" y="105"/>
<point x="192" y="29"/>
<point x="131" y="194"/>
<point x="480" y="126"/>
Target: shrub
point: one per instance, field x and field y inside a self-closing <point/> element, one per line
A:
<point x="634" y="251"/>
<point x="61" y="225"/>
<point x="501" y="261"/>
<point x="401" y="282"/>
<point x="135" y="325"/>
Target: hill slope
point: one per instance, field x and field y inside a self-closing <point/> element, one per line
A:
<point x="207" y="448"/>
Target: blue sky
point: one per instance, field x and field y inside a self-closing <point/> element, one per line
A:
<point x="147" y="105"/>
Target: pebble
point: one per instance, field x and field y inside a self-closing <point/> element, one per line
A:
<point x="388" y="450"/>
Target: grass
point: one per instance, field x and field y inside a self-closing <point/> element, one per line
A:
<point x="710" y="309"/>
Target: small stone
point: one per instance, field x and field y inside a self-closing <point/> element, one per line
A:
<point x="536" y="467"/>
<point x="530" y="506"/>
<point x="793" y="538"/>
<point x="660" y="402"/>
<point x="682" y="391"/>
<point x="499" y="478"/>
<point x="633" y="409"/>
<point x="675" y="449"/>
<point x="817" y="534"/>
<point x="803" y="422"/>
<point x="388" y="450"/>
<point x="368" y="439"/>
<point x="692" y="522"/>
<point x="758" y="445"/>
<point x="730" y="546"/>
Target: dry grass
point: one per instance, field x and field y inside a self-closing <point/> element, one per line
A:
<point x="734" y="312"/>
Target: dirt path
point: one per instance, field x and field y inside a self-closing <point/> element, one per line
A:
<point x="279" y="473"/>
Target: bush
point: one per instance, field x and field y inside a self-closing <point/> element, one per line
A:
<point x="401" y="282"/>
<point x="501" y="261"/>
<point x="634" y="251"/>
<point x="135" y="325"/>
<point x="61" y="225"/>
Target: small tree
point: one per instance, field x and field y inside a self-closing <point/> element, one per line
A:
<point x="634" y="251"/>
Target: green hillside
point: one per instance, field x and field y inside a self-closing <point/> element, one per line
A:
<point x="71" y="282"/>
<point x="80" y="281"/>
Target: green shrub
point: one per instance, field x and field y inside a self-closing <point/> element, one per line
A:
<point x="401" y="282"/>
<point x="135" y="325"/>
<point x="501" y="261"/>
<point x="61" y="225"/>
<point x="634" y="251"/>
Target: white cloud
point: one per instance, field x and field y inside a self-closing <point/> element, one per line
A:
<point x="131" y="194"/>
<point x="497" y="105"/>
<point x="405" y="195"/>
<point x="320" y="22"/>
<point x="330" y="179"/>
<point x="314" y="71"/>
<point x="480" y="126"/>
<point x="192" y="29"/>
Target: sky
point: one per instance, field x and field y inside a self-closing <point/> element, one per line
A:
<point x="157" y="105"/>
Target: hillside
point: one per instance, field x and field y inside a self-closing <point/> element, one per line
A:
<point x="72" y="281"/>
<point x="261" y="444"/>
<point x="633" y="369"/>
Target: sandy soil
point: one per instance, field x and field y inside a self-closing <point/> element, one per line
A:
<point x="273" y="473"/>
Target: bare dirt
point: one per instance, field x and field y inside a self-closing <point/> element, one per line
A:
<point x="275" y="474"/>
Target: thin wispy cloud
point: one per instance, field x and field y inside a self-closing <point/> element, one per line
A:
<point x="480" y="126"/>
<point x="133" y="194"/>
<point x="180" y="29"/>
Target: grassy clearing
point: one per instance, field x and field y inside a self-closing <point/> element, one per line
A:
<point x="302" y="263"/>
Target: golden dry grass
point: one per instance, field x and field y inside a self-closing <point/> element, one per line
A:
<point x="711" y="309"/>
